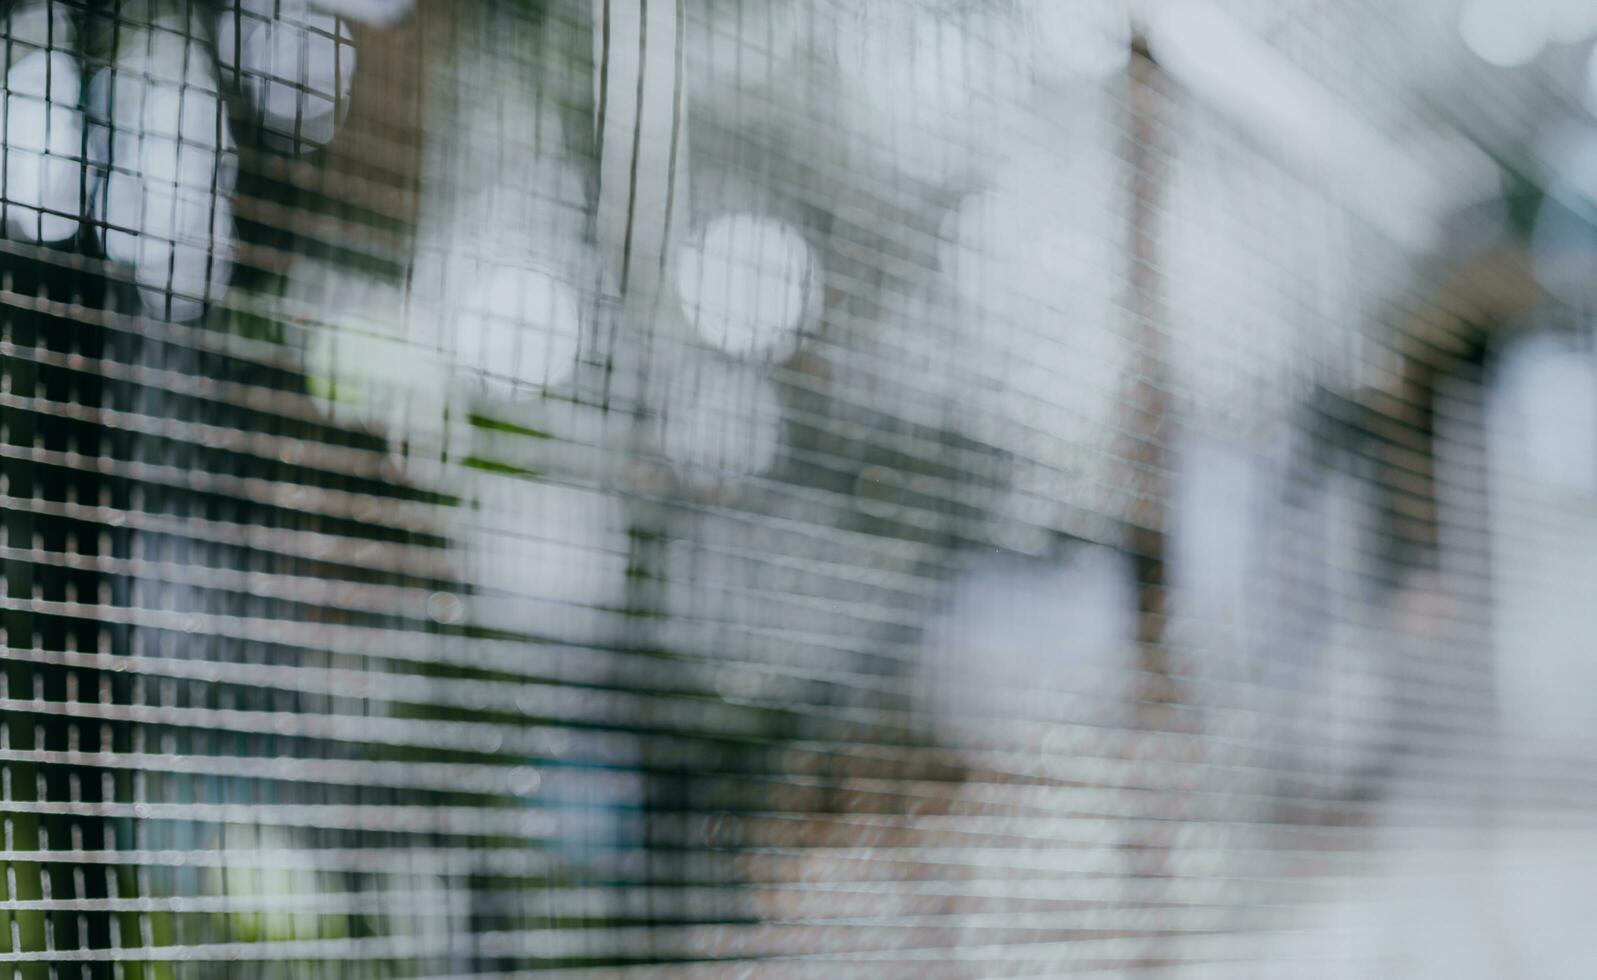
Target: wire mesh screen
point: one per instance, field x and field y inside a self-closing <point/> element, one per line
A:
<point x="797" y="488"/>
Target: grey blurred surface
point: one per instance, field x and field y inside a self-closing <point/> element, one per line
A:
<point x="797" y="488"/>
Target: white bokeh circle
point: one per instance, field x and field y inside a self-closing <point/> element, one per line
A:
<point x="294" y="64"/>
<point x="720" y="421"/>
<point x="749" y="284"/>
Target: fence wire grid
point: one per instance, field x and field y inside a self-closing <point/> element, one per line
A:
<point x="798" y="489"/>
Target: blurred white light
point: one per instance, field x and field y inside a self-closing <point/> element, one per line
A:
<point x="364" y="355"/>
<point x="499" y="179"/>
<point x="719" y="421"/>
<point x="508" y="321"/>
<point x="1346" y="707"/>
<point x="296" y="66"/>
<point x="1209" y="51"/>
<point x="1550" y="392"/>
<point x="180" y="263"/>
<point x="1464" y="174"/>
<point x="1074" y="39"/>
<point x="1035" y="238"/>
<point x="502" y="256"/>
<point x="522" y="322"/>
<point x="1031" y="630"/>
<point x="540" y="192"/>
<point x="1505" y="33"/>
<point x="1516" y="901"/>
<point x="1035" y="266"/>
<point x="379" y="380"/>
<point x="378" y="13"/>
<point x="265" y="863"/>
<point x="1219" y="531"/>
<point x="749" y="284"/>
<point x="1542" y="446"/>
<point x="548" y="559"/>
<point x="1261" y="302"/>
<point x="1571" y="21"/>
<point x="44" y="175"/>
<point x="1588" y="91"/>
<point x="161" y="136"/>
<point x="924" y="88"/>
<point x="1269" y="591"/>
<point x="1545" y="671"/>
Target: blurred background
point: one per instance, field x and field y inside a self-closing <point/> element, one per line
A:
<point x="798" y="488"/>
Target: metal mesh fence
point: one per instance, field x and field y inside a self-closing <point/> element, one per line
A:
<point x="796" y="488"/>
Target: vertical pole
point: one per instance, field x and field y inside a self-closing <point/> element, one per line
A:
<point x="640" y="129"/>
<point x="1152" y="428"/>
<point x="640" y="132"/>
<point x="1151" y="431"/>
